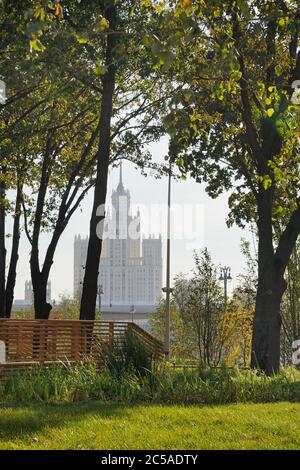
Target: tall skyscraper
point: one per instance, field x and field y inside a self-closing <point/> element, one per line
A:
<point x="130" y="268"/>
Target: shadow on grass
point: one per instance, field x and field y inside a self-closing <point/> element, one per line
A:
<point x="17" y="421"/>
<point x="26" y="420"/>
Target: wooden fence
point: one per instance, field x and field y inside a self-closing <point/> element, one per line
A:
<point x="31" y="343"/>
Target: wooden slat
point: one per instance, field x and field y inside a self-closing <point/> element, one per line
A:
<point x="41" y="341"/>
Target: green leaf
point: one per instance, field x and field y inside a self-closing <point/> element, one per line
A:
<point x="81" y="40"/>
<point x="267" y="182"/>
<point x="100" y="70"/>
<point x="40" y="13"/>
<point x="236" y="75"/>
<point x="36" y="45"/>
<point x="103" y="24"/>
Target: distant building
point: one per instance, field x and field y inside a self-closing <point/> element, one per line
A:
<point x="130" y="268"/>
<point x="26" y="304"/>
<point x="29" y="292"/>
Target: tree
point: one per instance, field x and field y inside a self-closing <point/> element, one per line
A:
<point x="126" y="60"/>
<point x="62" y="143"/>
<point x="50" y="159"/>
<point x="196" y="314"/>
<point x="199" y="326"/>
<point x="12" y="23"/>
<point x="239" y="120"/>
<point x="89" y="290"/>
<point x="205" y="309"/>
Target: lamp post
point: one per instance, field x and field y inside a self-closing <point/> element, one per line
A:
<point x="100" y="292"/>
<point x="225" y="277"/>
<point x="81" y="282"/>
<point x="132" y="312"/>
<point x="168" y="289"/>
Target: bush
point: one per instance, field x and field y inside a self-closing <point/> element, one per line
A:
<point x="132" y="356"/>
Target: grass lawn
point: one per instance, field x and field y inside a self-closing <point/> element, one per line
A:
<point x="111" y="427"/>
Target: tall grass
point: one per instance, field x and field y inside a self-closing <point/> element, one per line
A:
<point x="132" y="356"/>
<point x="130" y="375"/>
<point x="159" y="384"/>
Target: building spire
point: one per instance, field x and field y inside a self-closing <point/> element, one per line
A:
<point x="120" y="188"/>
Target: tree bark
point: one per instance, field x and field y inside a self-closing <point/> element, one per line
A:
<point x="89" y="291"/>
<point x="42" y="309"/>
<point x="40" y="278"/>
<point x="267" y="322"/>
<point x="12" y="272"/>
<point x="271" y="284"/>
<point x="2" y="251"/>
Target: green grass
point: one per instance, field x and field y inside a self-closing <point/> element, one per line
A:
<point x="111" y="427"/>
<point x="160" y="385"/>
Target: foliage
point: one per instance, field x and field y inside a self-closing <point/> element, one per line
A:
<point x="205" y="309"/>
<point x="236" y="332"/>
<point x="132" y="356"/>
<point x="179" y="341"/>
<point x="197" y="311"/>
<point x="200" y="328"/>
<point x="23" y="314"/>
<point x="236" y="126"/>
<point x="244" y="299"/>
<point x="50" y="124"/>
<point x="161" y="384"/>
<point x="67" y="307"/>
<point x="245" y="292"/>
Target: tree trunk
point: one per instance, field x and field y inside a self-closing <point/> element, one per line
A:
<point x="41" y="307"/>
<point x="271" y="283"/>
<point x="39" y="283"/>
<point x="89" y="291"/>
<point x="12" y="272"/>
<point x="267" y="323"/>
<point x="2" y="250"/>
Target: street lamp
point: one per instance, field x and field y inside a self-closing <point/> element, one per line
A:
<point x="100" y="292"/>
<point x="225" y="277"/>
<point x="168" y="289"/>
<point x="132" y="312"/>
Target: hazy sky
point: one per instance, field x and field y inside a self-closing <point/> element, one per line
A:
<point x="205" y="216"/>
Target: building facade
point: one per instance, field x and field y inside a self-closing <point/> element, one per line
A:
<point x="130" y="272"/>
<point x="28" y="294"/>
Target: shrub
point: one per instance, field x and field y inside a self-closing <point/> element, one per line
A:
<point x="131" y="356"/>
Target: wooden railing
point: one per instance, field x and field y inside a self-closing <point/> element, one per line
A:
<point x="153" y="344"/>
<point x="34" y="342"/>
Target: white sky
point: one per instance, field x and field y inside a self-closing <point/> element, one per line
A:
<point x="222" y="242"/>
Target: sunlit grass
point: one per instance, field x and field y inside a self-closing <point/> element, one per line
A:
<point x="97" y="426"/>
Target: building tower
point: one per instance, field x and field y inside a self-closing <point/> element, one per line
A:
<point x="130" y="271"/>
